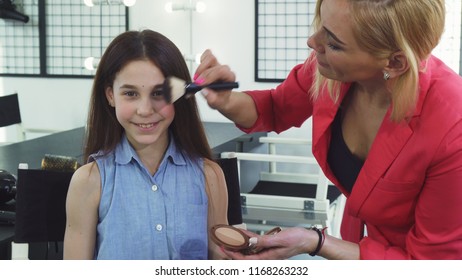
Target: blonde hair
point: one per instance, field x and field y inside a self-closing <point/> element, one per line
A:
<point x="383" y="27"/>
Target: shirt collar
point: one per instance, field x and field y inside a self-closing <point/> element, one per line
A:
<point x="124" y="153"/>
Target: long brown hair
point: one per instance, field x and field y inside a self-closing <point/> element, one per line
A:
<point x="104" y="132"/>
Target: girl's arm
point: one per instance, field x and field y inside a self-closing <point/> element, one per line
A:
<point x="82" y="213"/>
<point x="217" y="193"/>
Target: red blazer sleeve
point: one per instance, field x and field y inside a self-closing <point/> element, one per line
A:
<point x="286" y="106"/>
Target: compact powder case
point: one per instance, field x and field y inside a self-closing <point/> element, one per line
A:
<point x="234" y="239"/>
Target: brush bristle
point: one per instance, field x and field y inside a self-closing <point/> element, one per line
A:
<point x="175" y="87"/>
<point x="166" y="91"/>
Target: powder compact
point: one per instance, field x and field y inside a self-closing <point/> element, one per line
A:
<point x="234" y="239"/>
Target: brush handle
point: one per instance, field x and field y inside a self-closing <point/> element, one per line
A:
<point x="193" y="88"/>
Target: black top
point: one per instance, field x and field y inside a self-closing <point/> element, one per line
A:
<point x="342" y="162"/>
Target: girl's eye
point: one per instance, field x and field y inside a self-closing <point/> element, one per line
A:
<point x="130" y="93"/>
<point x="156" y="93"/>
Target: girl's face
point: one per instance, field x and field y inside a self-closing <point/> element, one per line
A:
<point x="338" y="55"/>
<point x="139" y="109"/>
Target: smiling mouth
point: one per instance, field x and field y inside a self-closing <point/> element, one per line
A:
<point x="145" y="125"/>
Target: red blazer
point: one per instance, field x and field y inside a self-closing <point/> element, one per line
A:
<point x="409" y="191"/>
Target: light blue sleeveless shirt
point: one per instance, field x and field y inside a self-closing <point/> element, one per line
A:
<point x="151" y="217"/>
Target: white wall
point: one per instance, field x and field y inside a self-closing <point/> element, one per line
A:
<point x="51" y="103"/>
<point x="227" y="28"/>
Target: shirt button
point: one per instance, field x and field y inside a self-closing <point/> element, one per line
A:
<point x="159" y="227"/>
<point x="154" y="188"/>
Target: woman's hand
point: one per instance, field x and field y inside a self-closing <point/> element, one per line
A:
<point x="209" y="71"/>
<point x="237" y="106"/>
<point x="283" y="245"/>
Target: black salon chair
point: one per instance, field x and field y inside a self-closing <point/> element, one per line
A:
<point x="229" y="166"/>
<point x="41" y="207"/>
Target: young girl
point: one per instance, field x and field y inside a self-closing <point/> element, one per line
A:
<point x="150" y="189"/>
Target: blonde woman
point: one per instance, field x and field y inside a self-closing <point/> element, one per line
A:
<point x="387" y="129"/>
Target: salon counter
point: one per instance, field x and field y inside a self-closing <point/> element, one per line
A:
<point x="221" y="137"/>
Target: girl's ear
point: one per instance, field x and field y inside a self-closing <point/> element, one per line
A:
<point x="110" y="96"/>
<point x="398" y="64"/>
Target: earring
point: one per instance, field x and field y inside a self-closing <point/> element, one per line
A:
<point x="386" y="76"/>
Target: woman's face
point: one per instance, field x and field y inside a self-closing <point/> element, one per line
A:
<point x="337" y="52"/>
<point x="142" y="113"/>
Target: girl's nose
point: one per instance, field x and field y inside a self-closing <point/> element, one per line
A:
<point x="145" y="107"/>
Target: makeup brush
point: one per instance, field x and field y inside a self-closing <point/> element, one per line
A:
<point x="173" y="88"/>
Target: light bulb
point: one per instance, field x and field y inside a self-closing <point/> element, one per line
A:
<point x="169" y="7"/>
<point x="91" y="63"/>
<point x="129" y="3"/>
<point x="88" y="3"/>
<point x="200" y="7"/>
